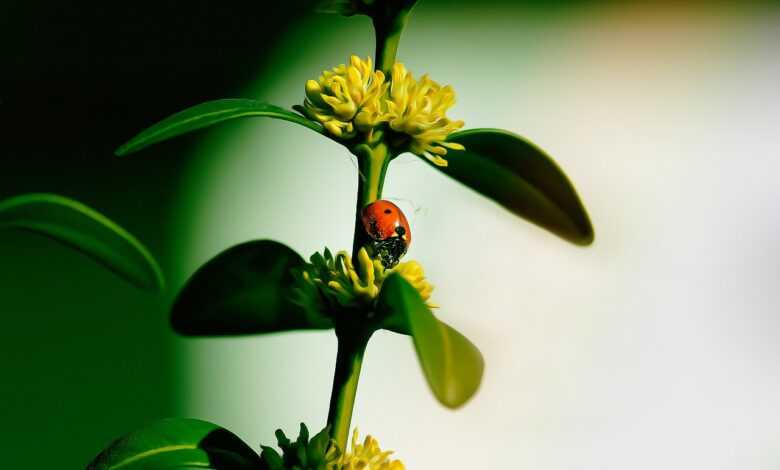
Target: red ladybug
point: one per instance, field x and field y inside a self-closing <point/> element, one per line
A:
<point x="388" y="230"/>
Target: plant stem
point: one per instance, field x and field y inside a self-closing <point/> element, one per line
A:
<point x="345" y="381"/>
<point x="372" y="167"/>
<point x="352" y="335"/>
<point x="388" y="35"/>
<point x="373" y="159"/>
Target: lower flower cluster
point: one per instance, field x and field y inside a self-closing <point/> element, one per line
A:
<point x="321" y="453"/>
<point x="368" y="456"/>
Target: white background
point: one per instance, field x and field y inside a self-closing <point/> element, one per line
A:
<point x="654" y="348"/>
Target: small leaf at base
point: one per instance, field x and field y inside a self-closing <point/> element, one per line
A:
<point x="452" y="365"/>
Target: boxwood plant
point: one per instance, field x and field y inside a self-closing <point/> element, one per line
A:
<point x="378" y="110"/>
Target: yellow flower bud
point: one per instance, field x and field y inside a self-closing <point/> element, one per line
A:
<point x="343" y="93"/>
<point x="336" y="280"/>
<point x="356" y="99"/>
<point x="418" y="109"/>
<point x="367" y="456"/>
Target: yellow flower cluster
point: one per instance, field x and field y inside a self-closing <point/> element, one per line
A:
<point x="367" y="456"/>
<point x="355" y="98"/>
<point x="419" y="109"/>
<point x="347" y="99"/>
<point x="337" y="280"/>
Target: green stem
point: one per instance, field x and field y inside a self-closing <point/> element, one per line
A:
<point x="353" y="337"/>
<point x="372" y="167"/>
<point x="373" y="159"/>
<point x="345" y="381"/>
<point x="388" y="35"/>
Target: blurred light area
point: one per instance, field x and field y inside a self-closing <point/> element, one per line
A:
<point x="654" y="348"/>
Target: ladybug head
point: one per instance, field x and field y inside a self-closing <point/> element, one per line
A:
<point x="389" y="251"/>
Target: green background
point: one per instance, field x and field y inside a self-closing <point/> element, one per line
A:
<point x="84" y="356"/>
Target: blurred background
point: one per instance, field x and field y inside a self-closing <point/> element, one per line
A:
<point x="654" y="348"/>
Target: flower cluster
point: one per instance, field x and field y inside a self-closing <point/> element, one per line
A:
<point x="332" y="284"/>
<point x="419" y="110"/>
<point x="317" y="453"/>
<point x="346" y="100"/>
<point x="368" y="456"/>
<point x="356" y="99"/>
<point x="322" y="453"/>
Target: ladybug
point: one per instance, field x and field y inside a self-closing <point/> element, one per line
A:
<point x="388" y="230"/>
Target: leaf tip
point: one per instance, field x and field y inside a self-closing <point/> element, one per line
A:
<point x="585" y="235"/>
<point x="457" y="395"/>
<point x="158" y="285"/>
<point x="123" y="150"/>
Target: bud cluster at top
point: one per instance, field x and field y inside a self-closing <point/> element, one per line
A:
<point x="355" y="101"/>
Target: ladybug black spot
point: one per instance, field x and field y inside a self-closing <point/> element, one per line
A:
<point x="388" y="211"/>
<point x="400" y="231"/>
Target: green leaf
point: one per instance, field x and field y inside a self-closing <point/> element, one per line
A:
<point x="86" y="230"/>
<point x="452" y="365"/>
<point x="521" y="177"/>
<point x="247" y="289"/>
<point x="177" y="443"/>
<point x="208" y="114"/>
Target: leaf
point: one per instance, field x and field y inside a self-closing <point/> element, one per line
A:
<point x="247" y="289"/>
<point x="208" y="114"/>
<point x="452" y="365"/>
<point x="86" y="230"/>
<point x="521" y="177"/>
<point x="177" y="443"/>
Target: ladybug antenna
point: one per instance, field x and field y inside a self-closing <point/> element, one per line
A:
<point x="416" y="208"/>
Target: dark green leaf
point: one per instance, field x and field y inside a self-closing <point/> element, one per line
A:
<point x="452" y="365"/>
<point x="87" y="231"/>
<point x="271" y="459"/>
<point x="208" y="114"/>
<point x="521" y="177"/>
<point x="247" y="289"/>
<point x="177" y="443"/>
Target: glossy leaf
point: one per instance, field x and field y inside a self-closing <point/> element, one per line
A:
<point x="247" y="289"/>
<point x="208" y="114"/>
<point x="178" y="443"/>
<point x="452" y="365"/>
<point x="86" y="230"/>
<point x="521" y="177"/>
